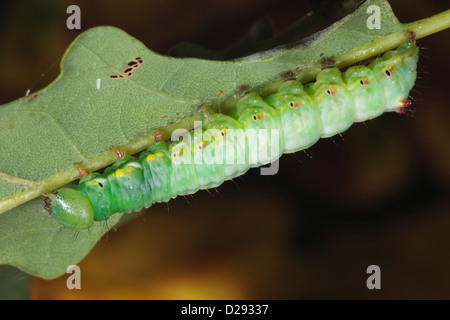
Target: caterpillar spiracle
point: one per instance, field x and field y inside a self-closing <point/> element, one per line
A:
<point x="299" y="115"/>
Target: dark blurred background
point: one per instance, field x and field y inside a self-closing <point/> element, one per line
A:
<point x="377" y="195"/>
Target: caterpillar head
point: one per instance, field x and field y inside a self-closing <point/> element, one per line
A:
<point x="70" y="208"/>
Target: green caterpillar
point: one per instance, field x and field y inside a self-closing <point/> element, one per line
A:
<point x="292" y="119"/>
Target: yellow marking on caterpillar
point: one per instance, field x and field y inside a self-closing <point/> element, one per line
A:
<point x="123" y="171"/>
<point x="152" y="156"/>
<point x="119" y="172"/>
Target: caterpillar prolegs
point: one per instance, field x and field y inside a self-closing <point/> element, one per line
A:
<point x="292" y="119"/>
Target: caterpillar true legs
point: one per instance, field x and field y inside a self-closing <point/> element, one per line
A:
<point x="293" y="118"/>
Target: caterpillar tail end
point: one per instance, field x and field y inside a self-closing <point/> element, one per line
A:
<point x="403" y="105"/>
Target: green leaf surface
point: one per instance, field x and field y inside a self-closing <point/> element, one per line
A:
<point x="32" y="241"/>
<point x="83" y="113"/>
